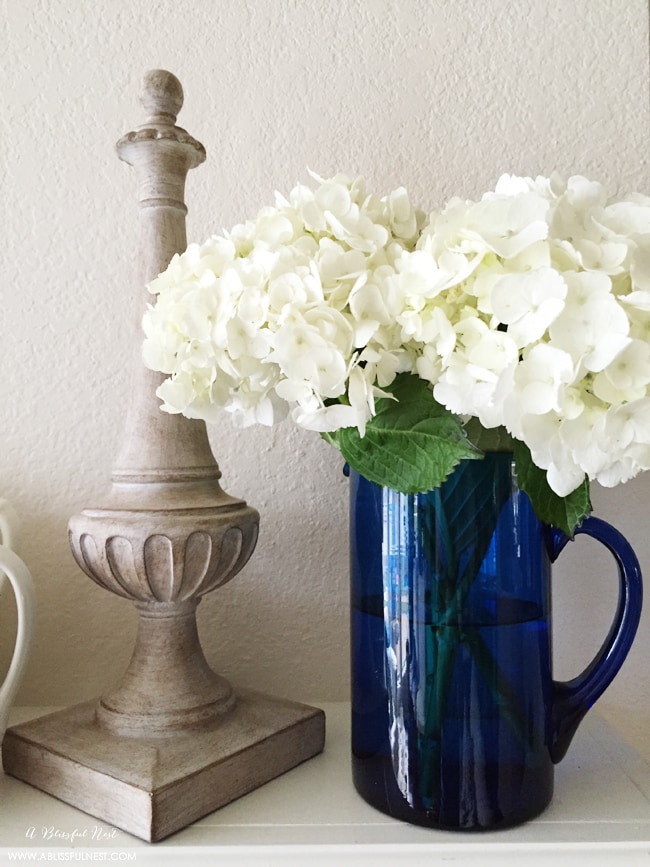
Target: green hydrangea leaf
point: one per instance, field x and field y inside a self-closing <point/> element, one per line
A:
<point x="496" y="439"/>
<point x="411" y="444"/>
<point x="566" y="513"/>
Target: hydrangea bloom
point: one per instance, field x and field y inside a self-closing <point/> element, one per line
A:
<point x="294" y="311"/>
<point x="528" y="309"/>
<point x="558" y="272"/>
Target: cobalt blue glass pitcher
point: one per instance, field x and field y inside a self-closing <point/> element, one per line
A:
<point x="456" y="719"/>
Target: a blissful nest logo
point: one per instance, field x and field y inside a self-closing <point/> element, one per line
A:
<point x="49" y="833"/>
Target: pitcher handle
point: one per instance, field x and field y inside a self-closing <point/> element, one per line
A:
<point x="573" y="698"/>
<point x="8" y="523"/>
<point x="23" y="586"/>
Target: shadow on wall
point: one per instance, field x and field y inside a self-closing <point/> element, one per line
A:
<point x="281" y="625"/>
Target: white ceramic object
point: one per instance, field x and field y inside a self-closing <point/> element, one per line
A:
<point x="8" y="524"/>
<point x="22" y="584"/>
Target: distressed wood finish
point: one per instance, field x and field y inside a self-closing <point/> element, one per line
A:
<point x="166" y="534"/>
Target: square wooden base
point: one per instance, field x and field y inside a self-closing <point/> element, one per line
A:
<point x="154" y="787"/>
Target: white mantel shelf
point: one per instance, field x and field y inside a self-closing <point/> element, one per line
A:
<point x="313" y="817"/>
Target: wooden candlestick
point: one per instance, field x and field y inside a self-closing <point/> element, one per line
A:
<point x="174" y="741"/>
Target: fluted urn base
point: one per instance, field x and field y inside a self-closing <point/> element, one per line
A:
<point x="173" y="741"/>
<point x="152" y="787"/>
<point x="165" y="561"/>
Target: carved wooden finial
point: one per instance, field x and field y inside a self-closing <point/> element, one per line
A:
<point x="172" y="741"/>
<point x="162" y="95"/>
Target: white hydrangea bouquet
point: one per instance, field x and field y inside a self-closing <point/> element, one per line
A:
<point x="521" y="320"/>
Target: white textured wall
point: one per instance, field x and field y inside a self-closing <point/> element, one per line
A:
<point x="439" y="95"/>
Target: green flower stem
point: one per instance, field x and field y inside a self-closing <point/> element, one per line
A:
<point x="501" y="689"/>
<point x="465" y="519"/>
<point x="441" y="650"/>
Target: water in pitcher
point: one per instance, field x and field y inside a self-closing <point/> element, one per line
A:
<point x="411" y="736"/>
